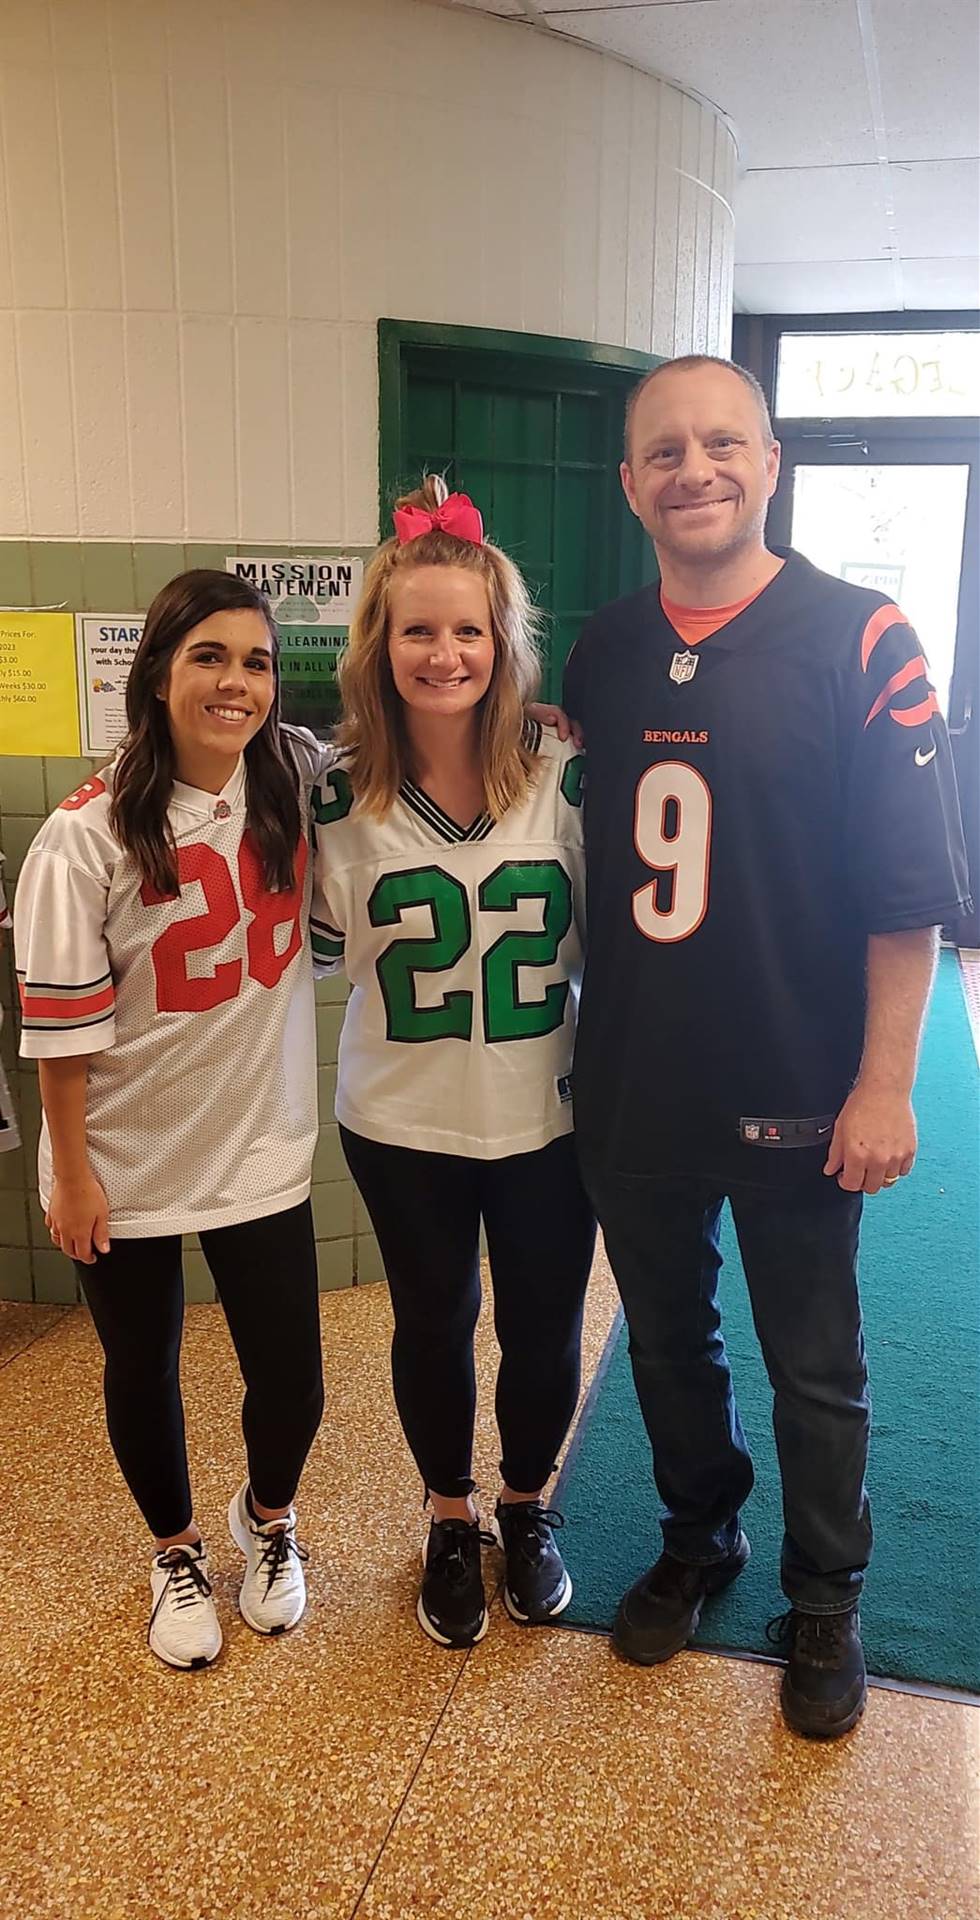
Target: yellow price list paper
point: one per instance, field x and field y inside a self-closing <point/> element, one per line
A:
<point x="38" y="684"/>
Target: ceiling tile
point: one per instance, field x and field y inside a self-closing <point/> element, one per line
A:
<point x="937" y="206"/>
<point x="612" y="6"/>
<point x="813" y="230"/>
<point x="941" y="283"/>
<point x="847" y="286"/>
<point x="826" y="213"/>
<point x="505" y="7"/>
<point x="929" y="62"/>
<point x="789" y="73"/>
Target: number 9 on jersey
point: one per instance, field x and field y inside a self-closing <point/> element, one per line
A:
<point x="672" y="834"/>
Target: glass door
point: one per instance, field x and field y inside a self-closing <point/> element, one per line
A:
<point x="898" y="529"/>
<point x="899" y="512"/>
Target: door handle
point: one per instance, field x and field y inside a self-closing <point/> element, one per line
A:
<point x="840" y="442"/>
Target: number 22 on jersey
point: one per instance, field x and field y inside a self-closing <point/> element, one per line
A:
<point x="506" y="1015"/>
<point x="672" y="834"/>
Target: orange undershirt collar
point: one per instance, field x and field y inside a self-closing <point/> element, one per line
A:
<point x="698" y="623"/>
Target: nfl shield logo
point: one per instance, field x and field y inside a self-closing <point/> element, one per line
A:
<point x="683" y="667"/>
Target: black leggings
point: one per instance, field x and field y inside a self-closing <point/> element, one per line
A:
<point x="426" y="1209"/>
<point x="266" y="1277"/>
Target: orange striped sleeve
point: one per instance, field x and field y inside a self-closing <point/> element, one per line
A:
<point x="915" y="716"/>
<point x="49" y="1008"/>
<point x="913" y="669"/>
<point x="879" y="623"/>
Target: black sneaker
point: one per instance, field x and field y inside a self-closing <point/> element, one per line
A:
<point x="825" y="1685"/>
<point x="537" y="1584"/>
<point x="658" y="1615"/>
<point x="452" y="1606"/>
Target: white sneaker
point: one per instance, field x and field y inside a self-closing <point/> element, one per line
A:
<point x="184" y="1628"/>
<point x="273" y="1592"/>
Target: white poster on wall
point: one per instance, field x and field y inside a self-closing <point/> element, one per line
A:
<point x="105" y="645"/>
<point x="304" y="590"/>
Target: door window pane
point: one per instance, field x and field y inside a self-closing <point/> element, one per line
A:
<point x="429" y="415"/>
<point x="897" y="529"/>
<point x="582" y="428"/>
<point x="872" y="376"/>
<point x="524" y="426"/>
<point x="537" y="446"/>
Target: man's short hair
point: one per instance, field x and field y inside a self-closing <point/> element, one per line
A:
<point x="688" y="363"/>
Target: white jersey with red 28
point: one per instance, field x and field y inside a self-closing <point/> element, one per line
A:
<point x="196" y="1008"/>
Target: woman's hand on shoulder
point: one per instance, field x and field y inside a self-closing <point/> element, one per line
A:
<point x="78" y="1217"/>
<point x="556" y="717"/>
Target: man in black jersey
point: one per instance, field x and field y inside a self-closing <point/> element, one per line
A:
<point x="772" y="839"/>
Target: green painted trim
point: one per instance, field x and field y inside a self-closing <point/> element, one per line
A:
<point x="394" y="335"/>
<point x="390" y="339"/>
<point x="542" y="346"/>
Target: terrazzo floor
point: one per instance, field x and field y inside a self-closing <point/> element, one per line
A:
<point x="353" y="1768"/>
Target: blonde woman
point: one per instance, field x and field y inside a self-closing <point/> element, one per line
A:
<point x="449" y="883"/>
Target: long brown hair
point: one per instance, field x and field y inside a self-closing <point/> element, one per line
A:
<point x="372" y="727"/>
<point x="146" y="768"/>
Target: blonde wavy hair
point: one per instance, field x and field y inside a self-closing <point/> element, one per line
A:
<point x="372" y="726"/>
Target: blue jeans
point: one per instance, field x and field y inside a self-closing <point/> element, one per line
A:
<point x="799" y="1250"/>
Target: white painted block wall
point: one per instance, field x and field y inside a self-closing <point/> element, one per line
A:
<point x="208" y="204"/>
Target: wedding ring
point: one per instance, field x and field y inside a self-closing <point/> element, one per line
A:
<point x="893" y="1182"/>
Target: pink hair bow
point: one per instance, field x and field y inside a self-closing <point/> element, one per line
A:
<point x="457" y="516"/>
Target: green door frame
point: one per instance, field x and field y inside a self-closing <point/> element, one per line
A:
<point x="393" y="335"/>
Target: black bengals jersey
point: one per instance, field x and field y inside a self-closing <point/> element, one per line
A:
<point x="754" y="809"/>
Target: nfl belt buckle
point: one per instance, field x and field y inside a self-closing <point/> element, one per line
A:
<point x="683" y="667"/>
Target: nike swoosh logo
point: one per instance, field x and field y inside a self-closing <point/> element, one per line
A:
<point x="923" y="759"/>
<point x="822" y="1130"/>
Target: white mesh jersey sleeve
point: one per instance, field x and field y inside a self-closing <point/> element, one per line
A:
<point x="316" y="761"/>
<point x="64" y="977"/>
<point x="331" y="801"/>
<point x="313" y="757"/>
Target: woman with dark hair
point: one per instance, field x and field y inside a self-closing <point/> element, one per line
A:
<point x="167" y="995"/>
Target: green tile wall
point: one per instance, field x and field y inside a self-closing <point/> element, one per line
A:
<point x="113" y="577"/>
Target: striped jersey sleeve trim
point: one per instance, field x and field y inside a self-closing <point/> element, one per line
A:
<point x="67" y="1026"/>
<point x="327" y="941"/>
<point x="914" y="669"/>
<point x="879" y="623"/>
<point x="51" y="1007"/>
<point x="918" y="715"/>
